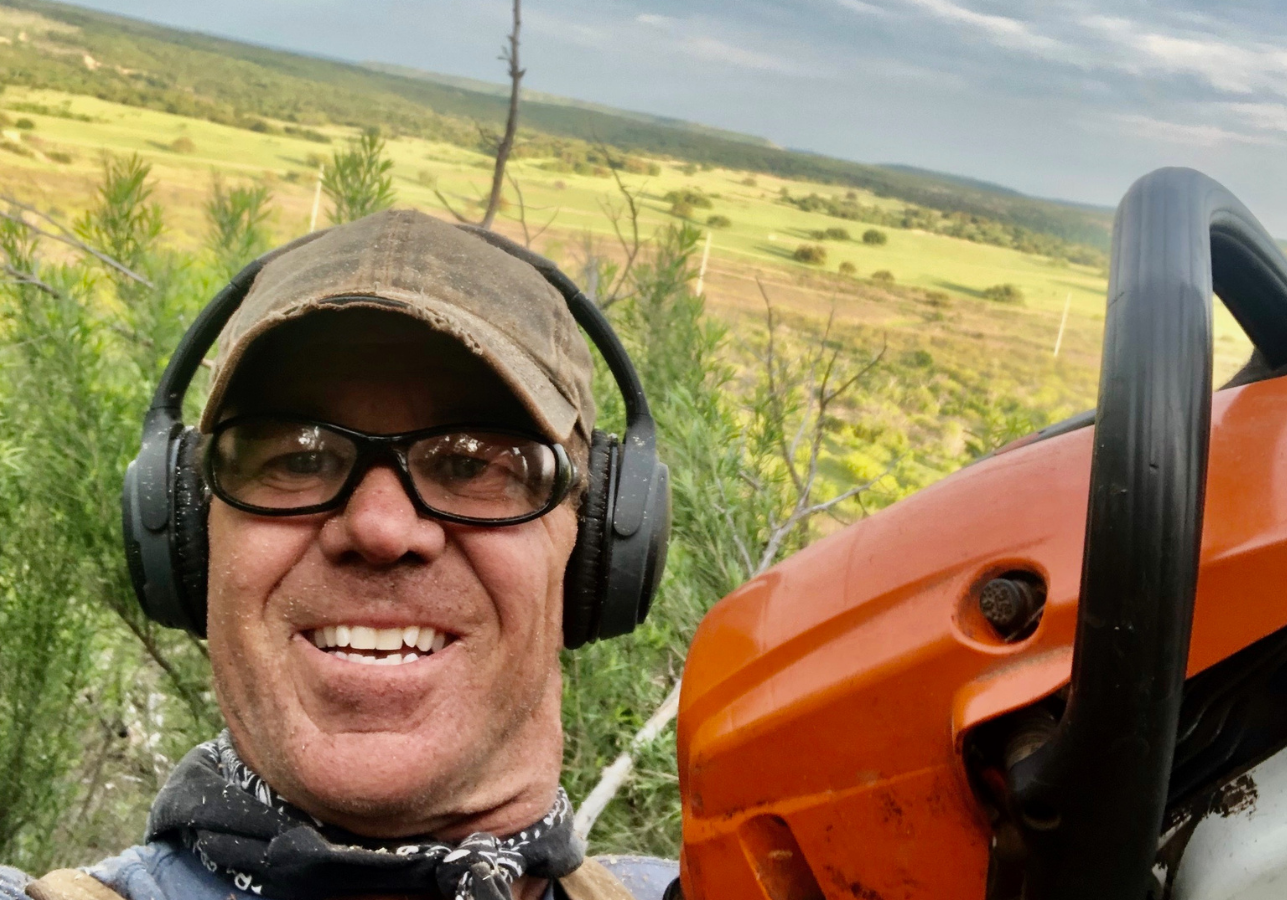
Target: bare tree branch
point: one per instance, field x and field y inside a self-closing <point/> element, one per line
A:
<point x="776" y="399"/>
<point x="510" y="55"/>
<point x="20" y="277"/>
<point x="522" y="213"/>
<point x="464" y="220"/>
<point x="615" y="775"/>
<point x="65" y="235"/>
<point x="631" y="244"/>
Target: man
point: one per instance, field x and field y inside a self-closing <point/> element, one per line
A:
<point x="385" y="614"/>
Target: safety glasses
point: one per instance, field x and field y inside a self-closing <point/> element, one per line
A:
<point x="283" y="465"/>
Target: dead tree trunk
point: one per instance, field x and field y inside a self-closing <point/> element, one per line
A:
<point x="510" y="55"/>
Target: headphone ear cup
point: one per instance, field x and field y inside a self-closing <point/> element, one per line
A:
<point x="189" y="546"/>
<point x="585" y="578"/>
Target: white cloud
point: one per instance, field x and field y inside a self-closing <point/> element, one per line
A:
<point x="1185" y="134"/>
<point x="1001" y="30"/>
<point x="683" y="37"/>
<point x="1228" y="67"/>
<point x="866" y="9"/>
<point x="1262" y="116"/>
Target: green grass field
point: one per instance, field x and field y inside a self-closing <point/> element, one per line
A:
<point x="990" y="369"/>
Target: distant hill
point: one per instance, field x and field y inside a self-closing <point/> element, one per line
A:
<point x="495" y="89"/>
<point x="128" y="61"/>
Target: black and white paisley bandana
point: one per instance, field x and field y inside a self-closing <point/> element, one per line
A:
<point x="239" y="827"/>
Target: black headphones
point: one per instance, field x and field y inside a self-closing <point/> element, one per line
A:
<point x="624" y="520"/>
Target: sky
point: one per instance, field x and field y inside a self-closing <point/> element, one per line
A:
<point x="1073" y="99"/>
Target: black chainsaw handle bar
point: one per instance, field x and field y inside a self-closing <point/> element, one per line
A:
<point x="1091" y="800"/>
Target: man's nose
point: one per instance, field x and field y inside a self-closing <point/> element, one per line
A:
<point x="380" y="524"/>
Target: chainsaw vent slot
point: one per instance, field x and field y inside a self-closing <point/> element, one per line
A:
<point x="780" y="867"/>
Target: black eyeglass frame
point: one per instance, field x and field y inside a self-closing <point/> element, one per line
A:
<point x="374" y="449"/>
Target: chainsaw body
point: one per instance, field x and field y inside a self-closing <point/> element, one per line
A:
<point x="860" y="722"/>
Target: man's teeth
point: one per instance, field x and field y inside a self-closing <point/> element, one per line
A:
<point x="396" y="646"/>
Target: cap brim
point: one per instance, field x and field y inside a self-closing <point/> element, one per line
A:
<point x="554" y="414"/>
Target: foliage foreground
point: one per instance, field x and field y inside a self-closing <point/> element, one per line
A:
<point x="97" y="703"/>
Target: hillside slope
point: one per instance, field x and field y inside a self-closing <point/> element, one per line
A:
<point x="127" y="61"/>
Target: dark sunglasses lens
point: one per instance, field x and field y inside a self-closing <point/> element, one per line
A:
<point x="483" y="475"/>
<point x="280" y="465"/>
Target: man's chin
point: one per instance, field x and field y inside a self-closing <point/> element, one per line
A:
<point x="373" y="783"/>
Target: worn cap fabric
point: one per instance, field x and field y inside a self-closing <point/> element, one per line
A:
<point x="497" y="306"/>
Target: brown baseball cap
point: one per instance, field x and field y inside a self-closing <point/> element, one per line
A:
<point x="496" y="305"/>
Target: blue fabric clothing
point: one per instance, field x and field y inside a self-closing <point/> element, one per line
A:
<point x="163" y="871"/>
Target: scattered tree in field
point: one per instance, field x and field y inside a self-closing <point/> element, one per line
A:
<point x="830" y="234"/>
<point x="24" y="124"/>
<point x="883" y="276"/>
<point x="681" y="209"/>
<point x="689" y="169"/>
<point x="1004" y="293"/>
<point x="848" y="269"/>
<point x="359" y="180"/>
<point x="718" y="221"/>
<point x="875" y="237"/>
<point x="937" y="298"/>
<point x="812" y="254"/>
<point x="236" y="224"/>
<point x="183" y="145"/>
<point x="749" y="181"/>
<point x="695" y="198"/>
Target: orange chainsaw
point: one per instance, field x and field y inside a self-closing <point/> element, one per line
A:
<point x="998" y="688"/>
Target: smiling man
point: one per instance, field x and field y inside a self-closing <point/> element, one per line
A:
<point x="395" y="447"/>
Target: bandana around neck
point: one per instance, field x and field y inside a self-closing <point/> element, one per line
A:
<point x="238" y="826"/>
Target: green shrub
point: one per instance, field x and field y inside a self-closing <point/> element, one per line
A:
<point x="694" y="197"/>
<point x="830" y="234"/>
<point x="236" y="224"/>
<point x="883" y="276"/>
<point x="848" y="268"/>
<point x="1004" y="293"/>
<point x="688" y="169"/>
<point x="875" y="237"/>
<point x="718" y="221"/>
<point x="812" y="254"/>
<point x="937" y="298"/>
<point x="183" y="145"/>
<point x="640" y="166"/>
<point x="358" y="180"/>
<point x="681" y="209"/>
<point x="919" y="359"/>
<point x="749" y="181"/>
<point x="307" y="134"/>
<point x="24" y="124"/>
<point x="60" y="156"/>
<point x="16" y="148"/>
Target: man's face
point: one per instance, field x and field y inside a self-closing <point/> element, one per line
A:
<point x="467" y="738"/>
